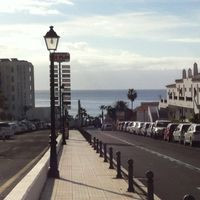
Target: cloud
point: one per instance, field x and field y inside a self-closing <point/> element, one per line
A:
<point x="85" y="57"/>
<point x="185" y="40"/>
<point x="150" y="25"/>
<point x="34" y="7"/>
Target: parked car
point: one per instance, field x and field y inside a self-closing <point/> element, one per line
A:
<point x="6" y="130"/>
<point x="144" y="128"/>
<point x="168" y="133"/>
<point x="106" y="127"/>
<point x="158" y="129"/>
<point x="138" y="128"/>
<point x="179" y="132"/>
<point x="119" y="125"/>
<point x="129" y="126"/>
<point x="192" y="135"/>
<point x="150" y="129"/>
<point x="132" y="128"/>
<point x="125" y="126"/>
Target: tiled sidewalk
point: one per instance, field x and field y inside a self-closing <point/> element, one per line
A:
<point x="84" y="175"/>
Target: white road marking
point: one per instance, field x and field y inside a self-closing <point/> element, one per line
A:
<point x="198" y="188"/>
<point x="189" y="166"/>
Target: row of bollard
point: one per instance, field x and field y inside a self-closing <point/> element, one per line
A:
<point x="101" y="148"/>
<point x="98" y="145"/>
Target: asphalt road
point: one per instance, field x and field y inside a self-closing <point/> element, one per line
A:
<point x="18" y="155"/>
<point x="176" y="167"/>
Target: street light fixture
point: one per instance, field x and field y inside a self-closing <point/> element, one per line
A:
<point x="51" y="40"/>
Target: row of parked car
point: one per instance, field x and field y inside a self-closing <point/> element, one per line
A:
<point x="10" y="128"/>
<point x="184" y="133"/>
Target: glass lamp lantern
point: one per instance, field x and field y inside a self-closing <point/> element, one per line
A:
<point x="51" y="39"/>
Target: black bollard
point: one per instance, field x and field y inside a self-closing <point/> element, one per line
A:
<point x="90" y="139"/>
<point x="188" y="197"/>
<point x="130" y="176"/>
<point x="111" y="158"/>
<point x="94" y="144"/>
<point x="119" y="174"/>
<point x="97" y="146"/>
<point x="100" y="149"/>
<point x="150" y="188"/>
<point x="105" y="152"/>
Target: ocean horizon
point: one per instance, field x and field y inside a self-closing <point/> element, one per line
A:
<point x="91" y="100"/>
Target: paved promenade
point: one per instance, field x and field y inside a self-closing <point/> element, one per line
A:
<point x="84" y="175"/>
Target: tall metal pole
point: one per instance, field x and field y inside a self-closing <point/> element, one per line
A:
<point x="60" y="95"/>
<point x="63" y="121"/>
<point x="53" y="171"/>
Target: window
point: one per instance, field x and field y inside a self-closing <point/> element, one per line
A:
<point x="66" y="75"/>
<point x="65" y="71"/>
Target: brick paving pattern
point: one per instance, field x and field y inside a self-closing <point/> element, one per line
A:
<point x="84" y="176"/>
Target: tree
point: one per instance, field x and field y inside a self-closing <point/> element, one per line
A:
<point x="132" y="95"/>
<point x="111" y="112"/>
<point x="102" y="108"/>
<point x="121" y="106"/>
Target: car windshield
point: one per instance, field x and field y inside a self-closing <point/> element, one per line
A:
<point x="4" y="125"/>
<point x="185" y="127"/>
<point x="197" y="128"/>
<point x="162" y="124"/>
<point x="173" y="126"/>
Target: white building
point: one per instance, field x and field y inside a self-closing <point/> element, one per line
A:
<point x="183" y="96"/>
<point x="17" y="86"/>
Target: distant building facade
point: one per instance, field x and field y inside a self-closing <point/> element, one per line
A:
<point x="183" y="96"/>
<point x="17" y="86"/>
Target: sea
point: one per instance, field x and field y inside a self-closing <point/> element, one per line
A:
<point x="91" y="100"/>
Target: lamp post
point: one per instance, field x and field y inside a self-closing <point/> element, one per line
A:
<point x="51" y="40"/>
<point x="63" y="115"/>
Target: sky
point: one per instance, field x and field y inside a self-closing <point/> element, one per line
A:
<point x="114" y="44"/>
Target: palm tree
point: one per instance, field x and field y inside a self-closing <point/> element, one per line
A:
<point x="132" y="95"/>
<point x="102" y="108"/>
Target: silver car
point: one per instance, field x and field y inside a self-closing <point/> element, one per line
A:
<point x="192" y="135"/>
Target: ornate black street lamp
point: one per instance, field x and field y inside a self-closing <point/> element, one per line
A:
<point x="51" y="40"/>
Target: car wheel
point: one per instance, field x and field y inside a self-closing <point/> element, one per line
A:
<point x="191" y="142"/>
<point x="184" y="142"/>
<point x="179" y="140"/>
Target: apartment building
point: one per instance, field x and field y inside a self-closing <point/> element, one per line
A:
<point x="183" y="96"/>
<point x="17" y="86"/>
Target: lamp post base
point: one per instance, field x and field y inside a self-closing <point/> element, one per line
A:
<point x="53" y="173"/>
<point x="63" y="142"/>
